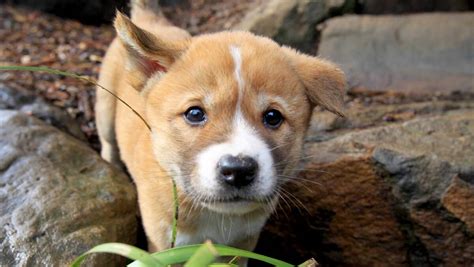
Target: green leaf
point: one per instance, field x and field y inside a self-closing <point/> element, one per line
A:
<point x="204" y="255"/>
<point x="125" y="250"/>
<point x="182" y="254"/>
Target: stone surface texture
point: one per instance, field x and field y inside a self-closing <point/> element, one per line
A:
<point x="291" y="22"/>
<point x="58" y="197"/>
<point x="418" y="53"/>
<point x="397" y="194"/>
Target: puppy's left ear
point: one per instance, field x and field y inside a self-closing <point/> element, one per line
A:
<point x="324" y="82"/>
<point x="147" y="53"/>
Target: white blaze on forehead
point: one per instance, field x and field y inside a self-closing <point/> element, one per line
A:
<point x="244" y="141"/>
<point x="237" y="57"/>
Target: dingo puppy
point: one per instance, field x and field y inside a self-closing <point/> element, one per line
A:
<point x="228" y="113"/>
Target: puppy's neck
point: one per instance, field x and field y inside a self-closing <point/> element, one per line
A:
<point x="198" y="224"/>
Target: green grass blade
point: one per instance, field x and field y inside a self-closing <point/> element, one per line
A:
<point x="125" y="250"/>
<point x="230" y="251"/>
<point x="174" y="229"/>
<point x="171" y="256"/>
<point x="182" y="254"/>
<point x="204" y="255"/>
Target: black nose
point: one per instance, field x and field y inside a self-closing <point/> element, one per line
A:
<point x="237" y="171"/>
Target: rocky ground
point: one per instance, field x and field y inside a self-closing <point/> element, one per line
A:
<point x="391" y="184"/>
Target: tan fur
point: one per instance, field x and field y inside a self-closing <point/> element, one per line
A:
<point x="199" y="71"/>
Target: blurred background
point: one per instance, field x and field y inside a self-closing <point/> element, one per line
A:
<point x="391" y="184"/>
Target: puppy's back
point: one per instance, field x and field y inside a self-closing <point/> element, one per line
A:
<point x="147" y="15"/>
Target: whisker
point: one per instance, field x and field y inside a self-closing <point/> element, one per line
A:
<point x="283" y="198"/>
<point x="276" y="147"/>
<point x="297" y="203"/>
<point x="300" y="183"/>
<point x="309" y="170"/>
<point x="298" y="159"/>
<point x="299" y="179"/>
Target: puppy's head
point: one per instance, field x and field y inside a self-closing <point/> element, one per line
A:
<point x="228" y="111"/>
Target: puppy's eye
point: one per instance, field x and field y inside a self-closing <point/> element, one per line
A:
<point x="195" y="116"/>
<point x="272" y="118"/>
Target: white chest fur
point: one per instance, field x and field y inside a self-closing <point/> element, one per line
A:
<point x="222" y="229"/>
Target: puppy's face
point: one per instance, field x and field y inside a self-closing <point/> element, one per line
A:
<point x="229" y="112"/>
<point x="229" y="119"/>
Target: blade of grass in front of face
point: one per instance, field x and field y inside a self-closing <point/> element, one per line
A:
<point x="171" y="256"/>
<point x="204" y="255"/>
<point x="182" y="254"/>
<point x="125" y="250"/>
<point x="174" y="229"/>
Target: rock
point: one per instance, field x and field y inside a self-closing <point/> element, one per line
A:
<point x="417" y="53"/>
<point x="411" y="6"/>
<point x="459" y="201"/>
<point x="292" y="22"/>
<point x="59" y="198"/>
<point x="86" y="11"/>
<point x="327" y="125"/>
<point x="393" y="195"/>
<point x="29" y="103"/>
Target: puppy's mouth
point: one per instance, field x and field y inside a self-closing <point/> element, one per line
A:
<point x="235" y="200"/>
<point x="239" y="205"/>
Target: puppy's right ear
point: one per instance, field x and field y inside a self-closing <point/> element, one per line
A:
<point x="324" y="82"/>
<point x="147" y="54"/>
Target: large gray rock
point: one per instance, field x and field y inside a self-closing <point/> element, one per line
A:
<point x="292" y="22"/>
<point x="327" y="125"/>
<point x="58" y="197"/>
<point x="418" y="53"/>
<point x="392" y="195"/>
